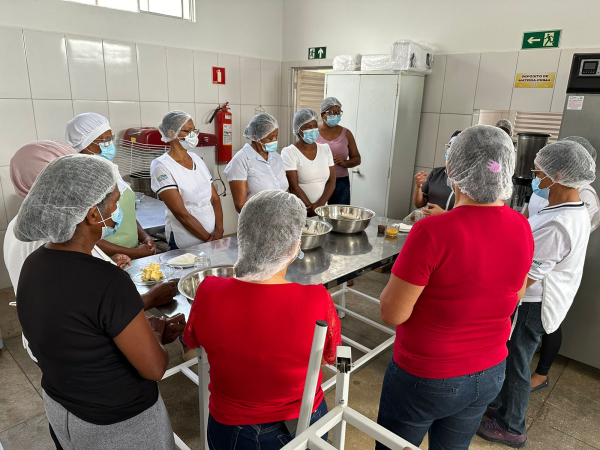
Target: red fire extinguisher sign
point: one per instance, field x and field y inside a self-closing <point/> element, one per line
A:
<point x="218" y="75"/>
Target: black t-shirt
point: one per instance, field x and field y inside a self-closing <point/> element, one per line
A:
<point x="437" y="190"/>
<point x="71" y="306"/>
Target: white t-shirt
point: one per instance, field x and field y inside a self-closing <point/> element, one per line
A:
<point x="588" y="196"/>
<point x="195" y="188"/>
<point x="15" y="254"/>
<point x="561" y="235"/>
<point x="312" y="175"/>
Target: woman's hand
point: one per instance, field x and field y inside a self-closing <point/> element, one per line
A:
<point x="169" y="329"/>
<point x="215" y="235"/>
<point x="338" y="160"/>
<point x="420" y="179"/>
<point x="162" y="293"/>
<point x="121" y="260"/>
<point x="434" y="211"/>
<point x="149" y="242"/>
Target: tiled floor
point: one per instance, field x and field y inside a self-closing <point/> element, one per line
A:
<point x="562" y="417"/>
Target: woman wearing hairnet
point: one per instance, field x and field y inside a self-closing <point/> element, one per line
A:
<point x="90" y="134"/>
<point x="258" y="166"/>
<point x="194" y="214"/>
<point x="551" y="342"/>
<point x="309" y="166"/>
<point x="84" y="319"/>
<point x="343" y="147"/>
<point x="505" y="126"/>
<point x="264" y="324"/>
<point x="452" y="291"/>
<point x="561" y="233"/>
<point x="25" y="166"/>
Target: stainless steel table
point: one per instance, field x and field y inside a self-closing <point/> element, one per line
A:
<point x="341" y="258"/>
<point x="150" y="213"/>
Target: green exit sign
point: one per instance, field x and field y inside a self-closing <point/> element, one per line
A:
<point x="541" y="39"/>
<point x="317" y="53"/>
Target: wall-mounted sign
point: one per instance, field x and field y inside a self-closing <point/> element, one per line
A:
<point x="541" y="39"/>
<point x="218" y="75"/>
<point x="317" y="53"/>
<point x="535" y="80"/>
<point x="575" y="102"/>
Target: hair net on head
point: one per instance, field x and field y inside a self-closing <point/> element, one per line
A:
<point x="31" y="159"/>
<point x="329" y="102"/>
<point x="567" y="163"/>
<point x="481" y="163"/>
<point x="270" y="227"/>
<point x="260" y="127"/>
<point x="302" y="117"/>
<point x="83" y="129"/>
<point x="62" y="195"/>
<point x="172" y="121"/>
<point x="585" y="143"/>
<point x="505" y="124"/>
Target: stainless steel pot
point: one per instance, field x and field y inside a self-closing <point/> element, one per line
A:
<point x="188" y="285"/>
<point x="346" y="219"/>
<point x="316" y="233"/>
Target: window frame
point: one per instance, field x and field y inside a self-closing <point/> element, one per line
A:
<point x="192" y="9"/>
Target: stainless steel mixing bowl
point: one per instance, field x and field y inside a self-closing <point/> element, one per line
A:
<point x="318" y="230"/>
<point x="355" y="220"/>
<point x="188" y="285"/>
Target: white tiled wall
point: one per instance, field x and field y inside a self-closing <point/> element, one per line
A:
<point x="47" y="78"/>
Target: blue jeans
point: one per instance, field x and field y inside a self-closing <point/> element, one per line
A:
<point x="266" y="436"/>
<point x="341" y="193"/>
<point x="172" y="244"/>
<point x="450" y="409"/>
<point x="514" y="396"/>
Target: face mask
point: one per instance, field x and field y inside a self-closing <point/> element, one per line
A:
<point x="116" y="217"/>
<point x="310" y="136"/>
<point x="333" y="121"/>
<point x="269" y="147"/>
<point x="535" y="185"/>
<point x="190" y="141"/>
<point x="300" y="254"/>
<point x="449" y="183"/>
<point x="107" y="150"/>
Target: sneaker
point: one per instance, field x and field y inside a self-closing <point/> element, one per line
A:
<point x="492" y="411"/>
<point x="491" y="431"/>
<point x="187" y="353"/>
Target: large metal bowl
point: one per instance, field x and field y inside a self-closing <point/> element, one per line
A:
<point x="188" y="285"/>
<point x="317" y="233"/>
<point x="355" y="220"/>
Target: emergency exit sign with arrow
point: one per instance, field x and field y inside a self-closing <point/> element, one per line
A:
<point x="541" y="39"/>
<point x="317" y="53"/>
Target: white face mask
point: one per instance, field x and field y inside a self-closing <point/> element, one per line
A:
<point x="190" y="142"/>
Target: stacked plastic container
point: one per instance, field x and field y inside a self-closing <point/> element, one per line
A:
<point x="405" y="55"/>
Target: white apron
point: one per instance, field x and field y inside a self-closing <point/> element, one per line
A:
<point x="195" y="188"/>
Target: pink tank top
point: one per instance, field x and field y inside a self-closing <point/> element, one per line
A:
<point x="339" y="146"/>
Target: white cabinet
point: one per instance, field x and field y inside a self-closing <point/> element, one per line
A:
<point x="383" y="111"/>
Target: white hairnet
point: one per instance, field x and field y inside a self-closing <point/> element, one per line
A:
<point x="62" y="195"/>
<point x="83" y="129"/>
<point x="260" y="127"/>
<point x="172" y="121"/>
<point x="567" y="163"/>
<point x="481" y="163"/>
<point x="302" y="117"/>
<point x="585" y="143"/>
<point x="329" y="102"/>
<point x="269" y="232"/>
<point x="505" y="124"/>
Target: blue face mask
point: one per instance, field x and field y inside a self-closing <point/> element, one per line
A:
<point x="300" y="254"/>
<point x="333" y="121"/>
<point x="269" y="147"/>
<point x="310" y="136"/>
<point x="107" y="151"/>
<point x="116" y="217"/>
<point x="535" y="185"/>
<point x="449" y="183"/>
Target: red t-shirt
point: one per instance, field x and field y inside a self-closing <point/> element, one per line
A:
<point x="258" y="339"/>
<point x="472" y="261"/>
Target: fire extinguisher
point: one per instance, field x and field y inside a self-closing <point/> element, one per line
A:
<point x="224" y="132"/>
